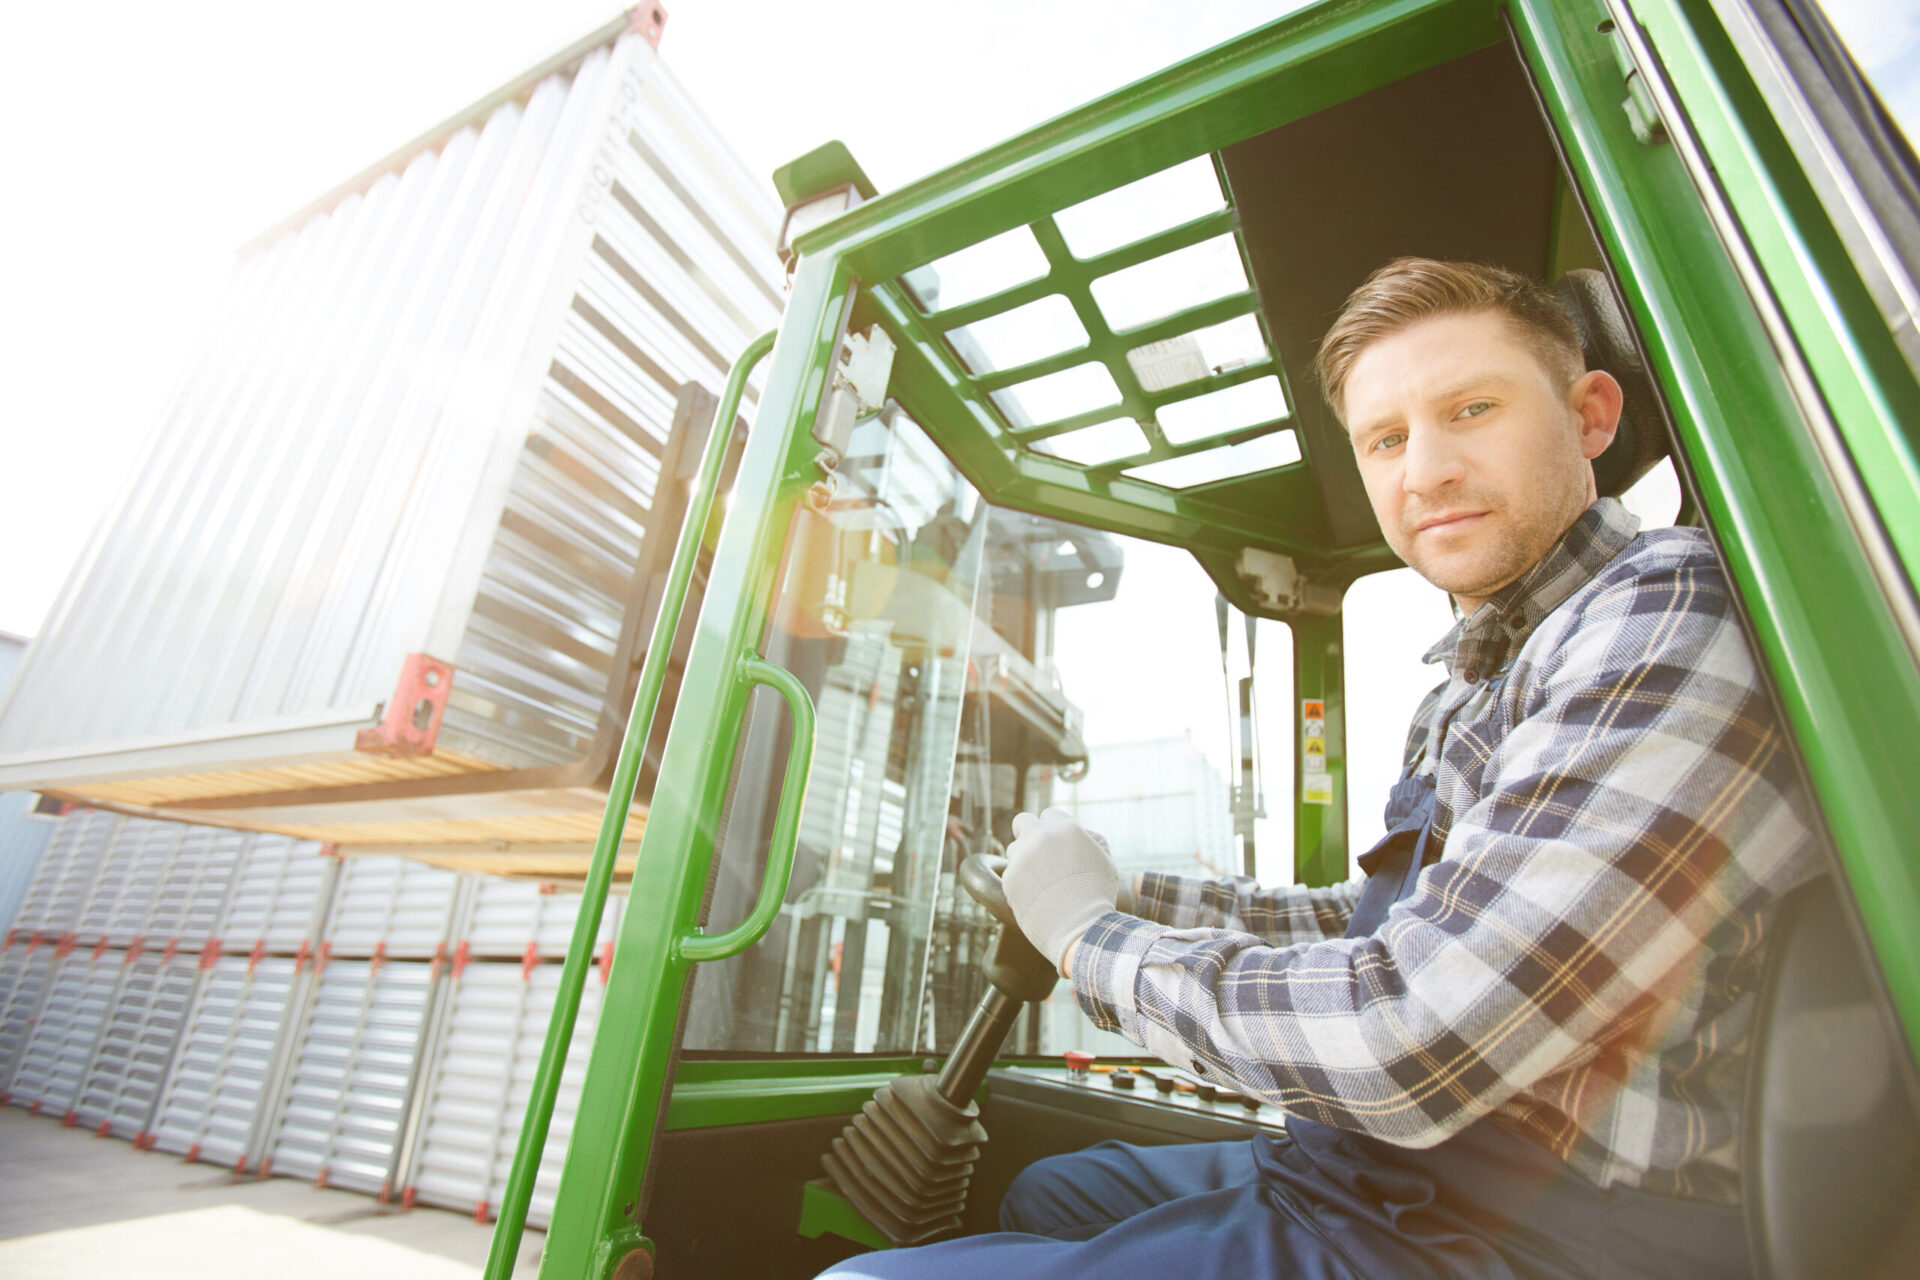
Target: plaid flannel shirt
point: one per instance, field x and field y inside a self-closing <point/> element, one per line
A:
<point x="1618" y="814"/>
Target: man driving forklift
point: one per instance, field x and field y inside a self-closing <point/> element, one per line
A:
<point x="1517" y="1047"/>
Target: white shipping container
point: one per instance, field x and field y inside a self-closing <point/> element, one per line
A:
<point x="393" y="907"/>
<point x="61" y="1042"/>
<point x="476" y="1088"/>
<point x="341" y="1115"/>
<point x="377" y="576"/>
<point x="229" y="1060"/>
<point x="24" y="968"/>
<point x="509" y="917"/>
<point x="136" y="1050"/>
<point x="64" y="884"/>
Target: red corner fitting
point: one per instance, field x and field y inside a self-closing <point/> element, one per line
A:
<point x="406" y="1198"/>
<point x="67" y="1120"/>
<point x="142" y="1141"/>
<point x="320" y="1179"/>
<point x="239" y="1166"/>
<point x="34" y="1110"/>
<point x="266" y="1167"/>
<point x="101" y="1132"/>
<point x="412" y="720"/>
<point x="648" y="21"/>
<point x="193" y="1154"/>
<point x="386" y="1193"/>
<point x="603" y="963"/>
<point x="480" y="1213"/>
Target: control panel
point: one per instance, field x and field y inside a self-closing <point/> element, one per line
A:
<point x="1172" y="1095"/>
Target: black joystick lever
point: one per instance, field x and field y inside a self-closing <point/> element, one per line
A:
<point x="905" y="1160"/>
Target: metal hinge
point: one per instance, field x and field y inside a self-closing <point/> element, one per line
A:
<point x="861" y="370"/>
<point x="1643" y="117"/>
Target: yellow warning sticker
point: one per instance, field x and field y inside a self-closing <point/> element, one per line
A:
<point x="1316" y="784"/>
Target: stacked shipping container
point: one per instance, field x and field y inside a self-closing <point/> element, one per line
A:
<point x="263" y="1004"/>
<point x="382" y="574"/>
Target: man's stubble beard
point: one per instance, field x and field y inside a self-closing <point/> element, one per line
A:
<point x="1516" y="549"/>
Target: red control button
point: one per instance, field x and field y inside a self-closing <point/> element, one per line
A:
<point x="1078" y="1060"/>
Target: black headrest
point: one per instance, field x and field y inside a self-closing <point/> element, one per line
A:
<point x="1608" y="344"/>
<point x="1830" y="1142"/>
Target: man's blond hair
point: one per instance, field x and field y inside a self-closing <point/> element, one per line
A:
<point x="1407" y="290"/>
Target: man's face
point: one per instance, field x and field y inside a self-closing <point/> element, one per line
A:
<point x="1475" y="460"/>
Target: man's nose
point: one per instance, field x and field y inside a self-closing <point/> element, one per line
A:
<point x="1430" y="462"/>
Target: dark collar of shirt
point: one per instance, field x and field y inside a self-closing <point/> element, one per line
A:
<point x="1481" y="644"/>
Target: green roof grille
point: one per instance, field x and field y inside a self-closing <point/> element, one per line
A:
<point x="1121" y="335"/>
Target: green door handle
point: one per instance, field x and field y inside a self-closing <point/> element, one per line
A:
<point x="786" y="822"/>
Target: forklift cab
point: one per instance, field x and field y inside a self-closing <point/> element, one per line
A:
<point x="1033" y="428"/>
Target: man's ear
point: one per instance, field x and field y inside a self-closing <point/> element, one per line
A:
<point x="1596" y="399"/>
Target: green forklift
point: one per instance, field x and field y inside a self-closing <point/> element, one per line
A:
<point x="1084" y="357"/>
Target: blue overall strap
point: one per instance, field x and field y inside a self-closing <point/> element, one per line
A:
<point x="1393" y="865"/>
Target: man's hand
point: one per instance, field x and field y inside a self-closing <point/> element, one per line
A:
<point x="1059" y="880"/>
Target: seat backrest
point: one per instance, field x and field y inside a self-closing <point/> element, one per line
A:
<point x="1830" y="1151"/>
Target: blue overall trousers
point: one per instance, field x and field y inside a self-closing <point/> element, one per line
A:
<point x="1319" y="1203"/>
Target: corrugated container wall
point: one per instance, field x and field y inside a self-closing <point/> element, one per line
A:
<point x="23" y="837"/>
<point x="369" y="1022"/>
<point x="385" y="548"/>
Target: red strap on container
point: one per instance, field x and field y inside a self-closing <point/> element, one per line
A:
<point x="259" y="953"/>
<point x="210" y="954"/>
<point x="460" y="958"/>
<point x="320" y="961"/>
<point x="65" y="945"/>
<point x="306" y="953"/>
<point x="133" y="950"/>
<point x="379" y="958"/>
<point x="527" y="961"/>
<point x="172" y="950"/>
<point x="603" y="963"/>
<point x="439" y="960"/>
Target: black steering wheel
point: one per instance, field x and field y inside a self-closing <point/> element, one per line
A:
<point x="980" y="876"/>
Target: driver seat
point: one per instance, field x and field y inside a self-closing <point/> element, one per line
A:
<point x="1830" y="1143"/>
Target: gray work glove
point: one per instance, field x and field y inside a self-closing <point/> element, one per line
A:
<point x="1059" y="880"/>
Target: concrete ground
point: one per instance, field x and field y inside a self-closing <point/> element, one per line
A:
<point x="72" y="1204"/>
